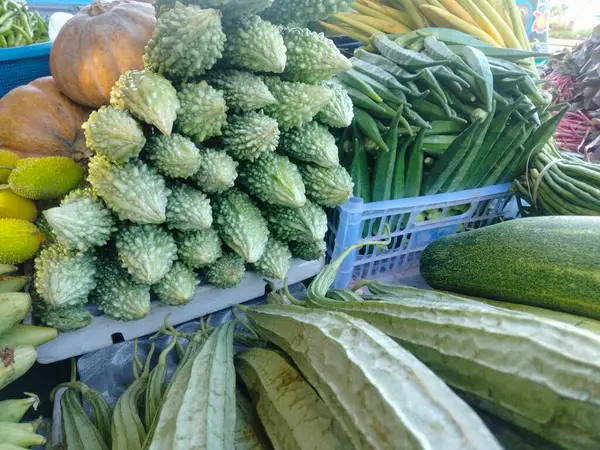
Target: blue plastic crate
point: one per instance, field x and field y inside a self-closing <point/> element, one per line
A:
<point x="450" y="213"/>
<point x="20" y="65"/>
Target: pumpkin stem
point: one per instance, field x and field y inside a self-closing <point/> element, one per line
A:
<point x="99" y="7"/>
<point x="4" y="186"/>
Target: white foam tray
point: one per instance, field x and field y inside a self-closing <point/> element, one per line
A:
<point x="208" y="299"/>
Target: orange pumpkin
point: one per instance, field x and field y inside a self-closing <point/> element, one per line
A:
<point x="38" y="120"/>
<point x="102" y="41"/>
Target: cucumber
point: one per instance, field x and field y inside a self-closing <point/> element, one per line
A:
<point x="543" y="261"/>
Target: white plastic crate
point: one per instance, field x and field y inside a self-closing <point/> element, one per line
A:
<point x="356" y="221"/>
<point x="104" y="331"/>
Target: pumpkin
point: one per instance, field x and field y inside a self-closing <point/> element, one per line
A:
<point x="101" y="42"/>
<point x="38" y="120"/>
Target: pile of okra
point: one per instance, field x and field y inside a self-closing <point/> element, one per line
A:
<point x="441" y="113"/>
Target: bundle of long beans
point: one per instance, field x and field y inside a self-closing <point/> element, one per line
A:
<point x="559" y="184"/>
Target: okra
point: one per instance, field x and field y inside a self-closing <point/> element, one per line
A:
<point x="384" y="166"/>
<point x="450" y="160"/>
<point x="510" y="154"/>
<point x="459" y="178"/>
<point x="414" y="169"/>
<point x="508" y="54"/>
<point x="293" y="414"/>
<point x="378" y="74"/>
<point x="353" y="79"/>
<point x="438" y="51"/>
<point x="414" y="117"/>
<point x="536" y="141"/>
<point x="432" y="83"/>
<point x="392" y="68"/>
<point x="359" y="170"/>
<point x="80" y="433"/>
<point x="385" y="93"/>
<point x="361" y="100"/>
<point x="368" y="126"/>
<point x="399" y="183"/>
<point x="478" y="62"/>
<point x="403" y="57"/>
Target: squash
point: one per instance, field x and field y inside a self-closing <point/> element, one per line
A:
<point x="93" y="49"/>
<point x="38" y="120"/>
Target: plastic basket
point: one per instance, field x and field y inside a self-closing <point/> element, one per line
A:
<point x="346" y="45"/>
<point x="20" y="65"/>
<point x="455" y="212"/>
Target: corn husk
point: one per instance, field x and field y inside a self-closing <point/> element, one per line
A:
<point x="21" y="334"/>
<point x="14" y="410"/>
<point x="13" y="308"/>
<point x="15" y="362"/>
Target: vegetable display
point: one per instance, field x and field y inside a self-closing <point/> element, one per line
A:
<point x="38" y="120"/>
<point x="85" y="64"/>
<point x="18" y="353"/>
<point x="509" y="262"/>
<point x="19" y="25"/>
<point x="573" y="74"/>
<point x="433" y="115"/>
<point x="559" y="184"/>
<point x="196" y="159"/>
<point x="498" y="23"/>
<point x="530" y="367"/>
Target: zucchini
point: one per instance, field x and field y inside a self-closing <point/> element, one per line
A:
<point x="291" y="411"/>
<point x="543" y="261"/>
<point x="397" y="401"/>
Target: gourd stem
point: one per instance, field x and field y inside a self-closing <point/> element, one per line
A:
<point x="289" y="295"/>
<point x="360" y="284"/>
